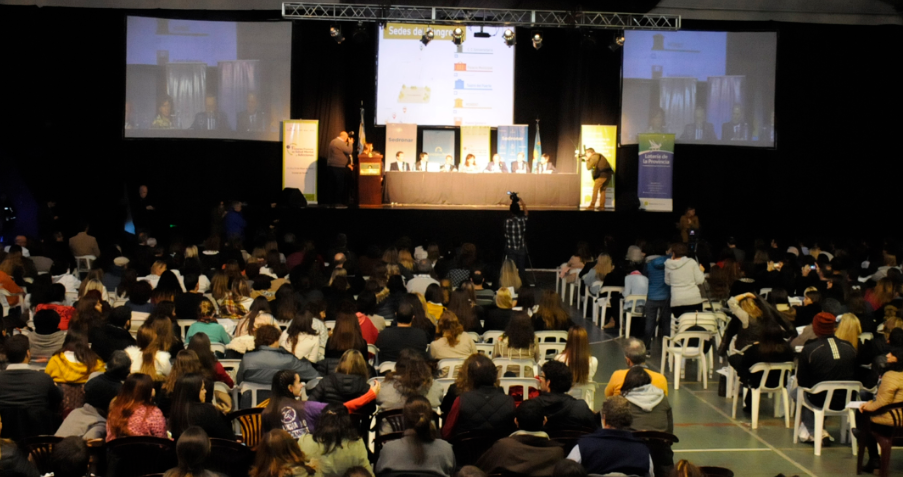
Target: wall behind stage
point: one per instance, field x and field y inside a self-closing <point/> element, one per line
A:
<point x="837" y="107"/>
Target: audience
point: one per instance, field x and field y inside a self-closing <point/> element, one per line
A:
<point x="75" y="361"/>
<point x="90" y="420"/>
<point x="206" y="323"/>
<point x="301" y="338"/>
<point x="190" y="407"/>
<point x="393" y="340"/>
<point x="890" y="391"/>
<point x="562" y="409"/>
<point x="497" y="318"/>
<point x="349" y="381"/>
<point x="210" y="366"/>
<point x="70" y="458"/>
<point x="148" y="355"/>
<point x="420" y="450"/>
<point x="477" y="403"/>
<point x="518" y="341"/>
<point x="262" y="364"/>
<point x="577" y="356"/>
<point x="635" y="355"/>
<point x="684" y="275"/>
<point x="453" y="342"/>
<point x="649" y="407"/>
<point x="47" y="337"/>
<point x="412" y="376"/>
<point x="114" y="334"/>
<point x="192" y="450"/>
<point x="613" y="448"/>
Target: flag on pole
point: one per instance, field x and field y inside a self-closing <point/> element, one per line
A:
<point x="362" y="136"/>
<point x="537" y="145"/>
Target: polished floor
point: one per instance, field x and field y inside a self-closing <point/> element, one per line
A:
<point x="708" y="435"/>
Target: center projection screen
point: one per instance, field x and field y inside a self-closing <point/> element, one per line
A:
<point x="705" y="87"/>
<point x="443" y="84"/>
<point x="207" y="79"/>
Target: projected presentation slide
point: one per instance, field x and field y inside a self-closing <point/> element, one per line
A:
<point x="704" y="87"/>
<point x="206" y="79"/>
<point x="443" y="84"/>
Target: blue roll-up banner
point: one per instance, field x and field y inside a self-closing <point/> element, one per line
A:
<point x="654" y="184"/>
<point x="438" y="144"/>
<point x="512" y="140"/>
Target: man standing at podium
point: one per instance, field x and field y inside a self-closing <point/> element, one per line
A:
<point x="338" y="163"/>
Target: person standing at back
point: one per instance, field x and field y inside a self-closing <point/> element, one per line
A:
<point x="684" y="275"/>
<point x="658" y="296"/>
<point x="337" y="160"/>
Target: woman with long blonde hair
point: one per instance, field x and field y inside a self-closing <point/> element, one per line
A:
<point x="452" y="341"/>
<point x="509" y="276"/>
<point x="148" y="355"/>
<point x="578" y="357"/>
<point x="405" y="259"/>
<point x="849" y="329"/>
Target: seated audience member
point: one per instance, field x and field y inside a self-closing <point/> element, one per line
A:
<point x="47" y="337"/>
<point x="518" y="341"/>
<point x="29" y="399"/>
<point x="169" y="333"/>
<point x="577" y="356"/>
<point x="563" y="410"/>
<point x="346" y="335"/>
<point x="139" y="298"/>
<point x="613" y="448"/>
<point x="528" y="451"/>
<point x="279" y="455"/>
<point x="497" y="318"/>
<point x="422" y="277"/>
<point x="210" y="366"/>
<point x="70" y="458"/>
<point x="114" y="334"/>
<point x="367" y="306"/>
<point x="890" y="391"/>
<point x="133" y="413"/>
<point x="421" y="320"/>
<point x="208" y="325"/>
<point x="190" y="408"/>
<point x="302" y="339"/>
<point x="186" y="362"/>
<point x="568" y="468"/>
<point x="771" y="347"/>
<point x="58" y="304"/>
<point x="192" y="450"/>
<point x="825" y="358"/>
<point x="402" y="336"/>
<point x="434" y="302"/>
<point x="811" y="307"/>
<point x="635" y="355"/>
<point x="246" y="330"/>
<point x="335" y="446"/>
<point x="420" y="450"/>
<point x="347" y="382"/>
<point x="147" y="356"/>
<point x="478" y="404"/>
<point x="187" y="303"/>
<point x="412" y="376"/>
<point x="453" y="342"/>
<point x="259" y="366"/>
<point x="90" y="421"/>
<point x="649" y="406"/>
<point x="551" y="315"/>
<point x="75" y="361"/>
<point x="464" y="308"/>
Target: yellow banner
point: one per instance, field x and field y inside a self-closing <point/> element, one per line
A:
<point x="603" y="140"/>
<point x="299" y="156"/>
<point x="413" y="31"/>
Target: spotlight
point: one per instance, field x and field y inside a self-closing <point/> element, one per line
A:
<point x="458" y="35"/>
<point x="336" y="34"/>
<point x="508" y="36"/>
<point x="427" y="37"/>
<point x="617" y="42"/>
<point x="537" y="39"/>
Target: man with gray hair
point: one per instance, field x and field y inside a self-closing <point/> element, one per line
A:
<point x="635" y="355"/>
<point x="613" y="448"/>
<point x="422" y="277"/>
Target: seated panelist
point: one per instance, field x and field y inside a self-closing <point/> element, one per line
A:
<point x="496" y="166"/>
<point x="398" y="164"/>
<point x="449" y="165"/>
<point x="470" y="164"/>
<point x="520" y="166"/>
<point x="544" y="166"/>
<point x="422" y="161"/>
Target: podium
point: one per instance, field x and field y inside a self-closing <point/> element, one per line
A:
<point x="370" y="176"/>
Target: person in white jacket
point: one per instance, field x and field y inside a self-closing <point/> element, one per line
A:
<point x="684" y="276"/>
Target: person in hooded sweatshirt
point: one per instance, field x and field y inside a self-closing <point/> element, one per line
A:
<point x="651" y="411"/>
<point x="684" y="276"/>
<point x="47" y="337"/>
<point x="349" y="381"/>
<point x="658" y="296"/>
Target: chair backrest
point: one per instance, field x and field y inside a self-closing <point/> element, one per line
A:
<point x="705" y="320"/>
<point x="550" y="350"/>
<point x="764" y="292"/>
<point x="251" y="425"/>
<point x="184" y="325"/>
<point x="385" y="367"/>
<point x="526" y="368"/>
<point x="607" y="291"/>
<point x="630" y="302"/>
<point x="526" y="383"/>
<point x="682" y="341"/>
<point x="218" y="348"/>
<point x="832" y="387"/>
<point x="38" y="449"/>
<point x="474" y="336"/>
<point x="486" y="348"/>
<point x="491" y="336"/>
<point x="140" y="455"/>
<point x="83" y="263"/>
<point x="783" y="369"/>
<point x="586" y="392"/>
<point x="551" y="336"/>
<point x="230" y="366"/>
<point x="373" y="353"/>
<point x="450" y="367"/>
<point x="863" y="337"/>
<point x="330" y="325"/>
<point x="229" y="458"/>
<point x="253" y="388"/>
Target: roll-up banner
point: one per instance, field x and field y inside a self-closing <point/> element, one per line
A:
<point x="401" y="138"/>
<point x="299" y="156"/>
<point x="438" y="144"/>
<point x="475" y="140"/>
<point x="655" y="172"/>
<point x="603" y="140"/>
<point x="512" y="140"/>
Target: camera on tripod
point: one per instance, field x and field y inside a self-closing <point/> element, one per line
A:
<point x="513" y="196"/>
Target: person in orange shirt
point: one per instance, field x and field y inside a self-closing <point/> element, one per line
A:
<point x="635" y="354"/>
<point x="7" y="283"/>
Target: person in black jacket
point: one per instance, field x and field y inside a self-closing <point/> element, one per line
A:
<point x="562" y="409"/>
<point x="401" y="336"/>
<point x="349" y="381"/>
<point x="190" y="409"/>
<point x="480" y="405"/>
<point x="114" y="334"/>
<point x="29" y="399"/>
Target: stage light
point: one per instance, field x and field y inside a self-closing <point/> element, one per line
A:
<point x="508" y="36"/>
<point x="336" y="34"/>
<point x="458" y="35"/>
<point x="617" y="42"/>
<point x="537" y="40"/>
<point x="427" y="37"/>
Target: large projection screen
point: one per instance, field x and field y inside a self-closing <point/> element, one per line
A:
<point x="207" y="79"/>
<point x="443" y="84"/>
<point x="705" y="87"/>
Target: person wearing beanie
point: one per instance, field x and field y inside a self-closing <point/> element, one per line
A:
<point x="47" y="337"/>
<point x="824" y="358"/>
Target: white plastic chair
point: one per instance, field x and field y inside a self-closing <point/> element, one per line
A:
<point x="83" y="264"/>
<point x="526" y="368"/>
<point x="453" y="365"/>
<point x="586" y="392"/>
<point x="795" y="301"/>
<point x="489" y="337"/>
<point x="550" y="350"/>
<point x="230" y="366"/>
<point x="603" y="303"/>
<point x="184" y="325"/>
<point x="507" y="383"/>
<point x="218" y="348"/>
<point x="829" y="388"/>
<point x="487" y="349"/>
<point x="764" y="292"/>
<point x="384" y="368"/>
<point x="589" y="295"/>
<point x="476" y="336"/>
<point x="330" y="325"/>
<point x="244" y="387"/>
<point x="445" y="383"/>
<point x="559" y="288"/>
<point x="679" y="349"/>
<point x="783" y="369"/>
<point x="574" y="287"/>
<point x="866" y="336"/>
<point x="629" y="309"/>
<point x="551" y="336"/>
<point x="138" y="319"/>
<point x="372" y="354"/>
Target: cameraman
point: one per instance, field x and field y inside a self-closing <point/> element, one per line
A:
<point x="515" y="232"/>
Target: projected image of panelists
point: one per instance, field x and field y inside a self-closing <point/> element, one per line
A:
<point x="206" y="79"/>
<point x="703" y="87"/>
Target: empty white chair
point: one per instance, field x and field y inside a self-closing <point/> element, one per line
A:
<point x="679" y="349"/>
<point x="629" y="309"/>
<point x="782" y="370"/>
<point x="487" y="349"/>
<point x="552" y="336"/>
<point x="829" y="388"/>
<point x="524" y="368"/>
<point x="526" y="383"/>
<point x="586" y="392"/>
<point x="490" y="336"/>
<point x="550" y="350"/>
<point x="451" y="366"/>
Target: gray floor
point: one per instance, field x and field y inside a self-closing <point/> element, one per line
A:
<point x="708" y="435"/>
